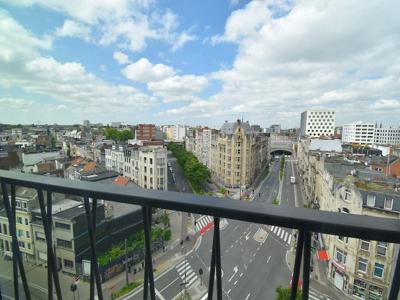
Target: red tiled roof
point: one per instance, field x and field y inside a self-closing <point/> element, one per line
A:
<point x="77" y="161"/>
<point x="121" y="181"/>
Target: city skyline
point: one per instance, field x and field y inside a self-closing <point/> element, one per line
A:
<point x="146" y="61"/>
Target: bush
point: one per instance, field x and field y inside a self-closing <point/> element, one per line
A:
<point x="126" y="289"/>
<point x="167" y="235"/>
<point x="276" y="201"/>
<point x="165" y="219"/>
<point x="283" y="293"/>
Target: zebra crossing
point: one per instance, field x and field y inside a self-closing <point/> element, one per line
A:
<point x="314" y="295"/>
<point x="186" y="273"/>
<point x="205" y="223"/>
<point x="282" y="234"/>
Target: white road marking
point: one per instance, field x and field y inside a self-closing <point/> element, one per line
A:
<point x="283" y="232"/>
<point x="279" y="231"/>
<point x="159" y="295"/>
<point x="235" y="270"/>
<point x="268" y="259"/>
<point x="248" y="296"/>
<point x="286" y="235"/>
<point x="247" y="236"/>
<point x="235" y="282"/>
<point x="290" y="238"/>
<point x="241" y="274"/>
<point x="229" y="291"/>
<point x="169" y="284"/>
<point x="272" y="228"/>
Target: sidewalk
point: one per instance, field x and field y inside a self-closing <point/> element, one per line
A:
<point x="37" y="281"/>
<point x="162" y="260"/>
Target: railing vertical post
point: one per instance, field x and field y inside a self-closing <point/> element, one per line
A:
<point x="50" y="254"/>
<point x="297" y="264"/>
<point x="14" y="246"/>
<point x="394" y="288"/>
<point x="92" y="262"/>
<point x="93" y="249"/>
<point x="50" y="260"/>
<point x="218" y="258"/>
<point x="212" y="270"/>
<point x="17" y="253"/>
<point x="306" y="265"/>
<point x="148" y="258"/>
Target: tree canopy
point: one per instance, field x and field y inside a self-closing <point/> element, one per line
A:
<point x="116" y="135"/>
<point x="194" y="170"/>
<point x="283" y="293"/>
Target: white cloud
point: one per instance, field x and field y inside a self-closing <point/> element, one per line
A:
<point x="121" y="58"/>
<point x="182" y="39"/>
<point x="72" y="28"/>
<point x="126" y="23"/>
<point x="12" y="102"/>
<point x="306" y="58"/>
<point x="16" y="42"/>
<point x="144" y="71"/>
<point x="387" y="104"/>
<point x="178" y="88"/>
<point x="163" y="81"/>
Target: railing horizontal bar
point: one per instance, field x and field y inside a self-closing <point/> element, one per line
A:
<point x="357" y="226"/>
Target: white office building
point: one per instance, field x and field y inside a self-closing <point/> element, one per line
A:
<point x="153" y="168"/>
<point x="358" y="133"/>
<point x="387" y="136"/>
<point x="317" y="123"/>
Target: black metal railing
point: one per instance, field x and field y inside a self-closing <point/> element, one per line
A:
<point x="306" y="221"/>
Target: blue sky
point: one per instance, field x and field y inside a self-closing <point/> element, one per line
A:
<point x="198" y="62"/>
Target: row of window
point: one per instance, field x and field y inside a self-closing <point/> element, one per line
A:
<point x="6" y="245"/>
<point x="378" y="270"/>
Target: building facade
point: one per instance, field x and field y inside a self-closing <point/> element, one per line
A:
<point x="26" y="200"/>
<point x="238" y="154"/>
<point x="317" y="123"/>
<point x="358" y="133"/>
<point x="344" y="183"/>
<point x="145" y="132"/>
<point x="153" y="168"/>
<point x="387" y="136"/>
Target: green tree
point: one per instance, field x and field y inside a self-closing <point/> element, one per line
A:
<point x="283" y="293"/>
<point x="116" y="135"/>
<point x="125" y="135"/>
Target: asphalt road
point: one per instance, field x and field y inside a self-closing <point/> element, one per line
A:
<point x="253" y="256"/>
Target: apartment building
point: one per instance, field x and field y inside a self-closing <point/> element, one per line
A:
<point x="26" y="200"/>
<point x="387" y="136"/>
<point x="153" y="168"/>
<point x="317" y="123"/>
<point x="238" y="154"/>
<point x="358" y="133"/>
<point x="146" y="132"/>
<point x="342" y="183"/>
<point x="114" y="158"/>
<point x="175" y="133"/>
<point x="70" y="235"/>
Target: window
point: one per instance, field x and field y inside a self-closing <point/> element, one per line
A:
<point x="344" y="239"/>
<point x="340" y="256"/>
<point x="381" y="248"/>
<point x="27" y="234"/>
<point x="63" y="226"/>
<point x="347" y="194"/>
<point x="388" y="204"/>
<point x="370" y="200"/>
<point x="29" y="246"/>
<point x="7" y="246"/>
<point x="20" y="233"/>
<point x="40" y="237"/>
<point x="26" y="221"/>
<point x="378" y="270"/>
<point x="19" y="220"/>
<point x="21" y="244"/>
<point x="5" y="229"/>
<point x="362" y="264"/>
<point x="64" y="243"/>
<point x="24" y="205"/>
<point x="68" y="263"/>
<point x="151" y="161"/>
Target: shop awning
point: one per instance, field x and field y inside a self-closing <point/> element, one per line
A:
<point x="322" y="255"/>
